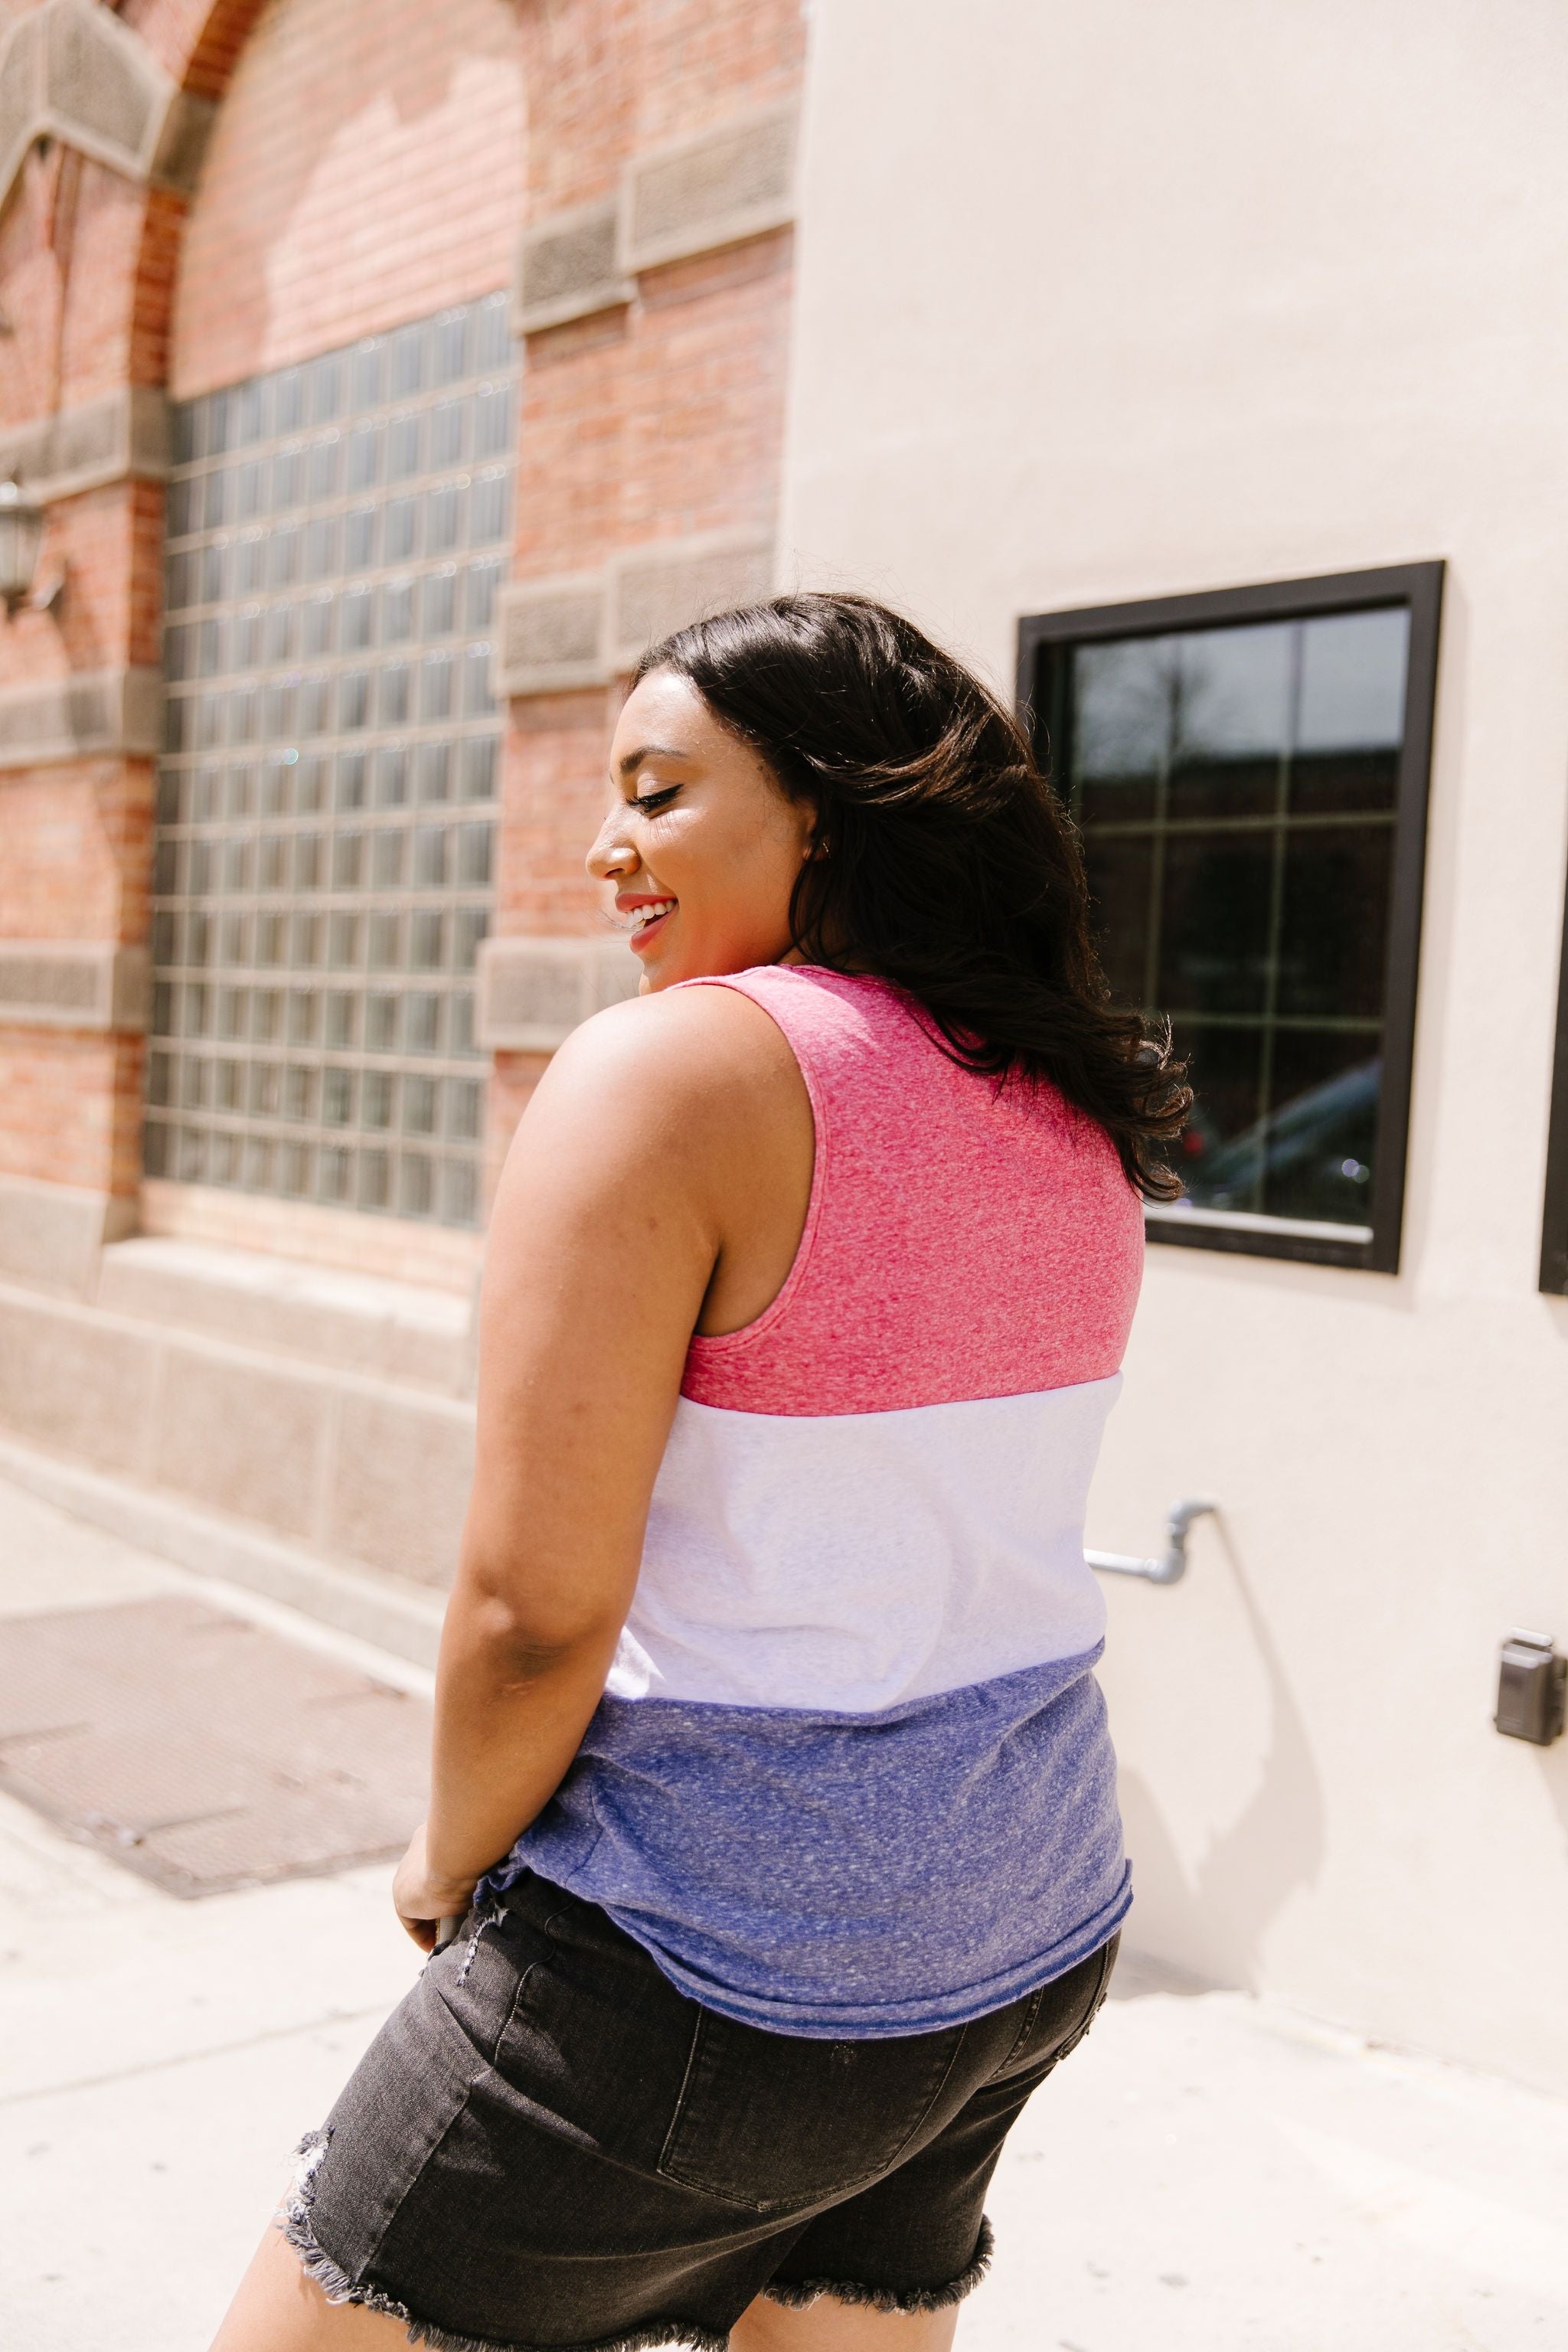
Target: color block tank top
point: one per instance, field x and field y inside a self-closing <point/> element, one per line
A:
<point x="851" y="1775"/>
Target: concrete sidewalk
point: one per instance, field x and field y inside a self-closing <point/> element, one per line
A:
<point x="1209" y="2174"/>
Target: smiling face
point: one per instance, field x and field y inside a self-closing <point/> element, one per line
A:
<point x="701" y="845"/>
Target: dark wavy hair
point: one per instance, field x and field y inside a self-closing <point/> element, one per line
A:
<point x="949" y="865"/>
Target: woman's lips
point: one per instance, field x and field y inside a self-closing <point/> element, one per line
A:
<point x="646" y="932"/>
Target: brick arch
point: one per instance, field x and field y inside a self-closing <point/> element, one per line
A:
<point x="198" y="44"/>
<point x="654" y="302"/>
<point x="197" y="41"/>
<point x="203" y="46"/>
<point x="103" y="113"/>
<point x="90" y="249"/>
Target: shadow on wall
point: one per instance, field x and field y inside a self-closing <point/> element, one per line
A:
<point x="1210" y="1918"/>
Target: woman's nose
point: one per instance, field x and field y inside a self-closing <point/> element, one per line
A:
<point x="610" y="858"/>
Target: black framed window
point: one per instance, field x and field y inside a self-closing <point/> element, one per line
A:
<point x="1554" y="1224"/>
<point x="1248" y="773"/>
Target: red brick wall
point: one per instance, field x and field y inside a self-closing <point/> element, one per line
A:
<point x="661" y="419"/>
<point x="514" y="1079"/>
<point x="69" y="248"/>
<point x="108" y="545"/>
<point x="76" y="835"/>
<point x="197" y="41"/>
<point x="555" y="789"/>
<point x="69" y="262"/>
<point x="366" y="167"/>
<point x="654" y="421"/>
<point x="608" y="77"/>
<point x="372" y="160"/>
<point x="76" y="860"/>
<point x="72" y="1108"/>
<point x="153" y="294"/>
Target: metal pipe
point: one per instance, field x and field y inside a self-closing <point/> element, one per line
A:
<point x="1173" y="1566"/>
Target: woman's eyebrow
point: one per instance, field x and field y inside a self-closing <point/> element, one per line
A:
<point x="634" y="760"/>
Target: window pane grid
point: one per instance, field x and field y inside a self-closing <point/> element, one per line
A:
<point x="1235" y="790"/>
<point x="1173" y="828"/>
<point x="337" y="534"/>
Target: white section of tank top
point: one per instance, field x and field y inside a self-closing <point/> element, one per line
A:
<point x="850" y="1562"/>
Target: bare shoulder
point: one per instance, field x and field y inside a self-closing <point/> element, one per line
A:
<point x="698" y="1046"/>
<point x="686" y="1080"/>
<point x="676" y="1131"/>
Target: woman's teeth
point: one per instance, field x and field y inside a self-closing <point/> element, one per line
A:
<point x="643" y="916"/>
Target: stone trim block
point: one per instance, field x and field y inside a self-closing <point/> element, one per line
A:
<point x="72" y="71"/>
<point x="81" y="449"/>
<point x="567" y="267"/>
<point x="673" y="202"/>
<point x="338" y="1241"/>
<point x="533" y="993"/>
<point x="52" y="1236"/>
<point x="349" y="1465"/>
<point x="239" y="1435"/>
<point x="551" y="636"/>
<point x="182" y="146"/>
<point x="582" y="629"/>
<point x="72" y="985"/>
<point x="388" y="1610"/>
<point x="74" y="1382"/>
<point x="409" y="1522"/>
<point x="88" y="714"/>
<point x="390" y="1330"/>
<point x="99" y="87"/>
<point x="692" y="197"/>
<point x="657" y="590"/>
<point x="21" y="94"/>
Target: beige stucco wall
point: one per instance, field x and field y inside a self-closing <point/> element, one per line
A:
<point x="1124" y="299"/>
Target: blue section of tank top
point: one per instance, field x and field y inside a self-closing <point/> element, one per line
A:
<point x="849" y="1876"/>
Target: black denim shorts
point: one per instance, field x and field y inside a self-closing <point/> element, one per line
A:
<point x="547" y="2145"/>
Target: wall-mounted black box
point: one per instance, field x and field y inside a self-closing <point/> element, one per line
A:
<point x="1532" y="1689"/>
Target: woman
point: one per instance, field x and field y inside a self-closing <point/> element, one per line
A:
<point x="770" y="1773"/>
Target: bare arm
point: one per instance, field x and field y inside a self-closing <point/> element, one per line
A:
<point x="611" y="1218"/>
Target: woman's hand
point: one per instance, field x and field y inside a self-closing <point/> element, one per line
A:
<point x="422" y="1900"/>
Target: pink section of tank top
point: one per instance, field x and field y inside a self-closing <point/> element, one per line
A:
<point x="962" y="1240"/>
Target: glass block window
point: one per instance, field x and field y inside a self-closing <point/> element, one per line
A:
<point x="337" y="535"/>
<point x="1248" y="775"/>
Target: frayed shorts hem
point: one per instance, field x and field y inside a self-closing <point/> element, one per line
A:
<point x="798" y="2292"/>
<point x="300" y="2230"/>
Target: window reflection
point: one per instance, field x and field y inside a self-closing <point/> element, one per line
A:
<point x="1236" y="790"/>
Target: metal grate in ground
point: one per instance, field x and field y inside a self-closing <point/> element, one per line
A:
<point x="201" y="1750"/>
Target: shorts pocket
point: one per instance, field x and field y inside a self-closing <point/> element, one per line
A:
<point x="592" y="2035"/>
<point x="392" y="2114"/>
<point x="1060" y="2013"/>
<point x="775" y="2121"/>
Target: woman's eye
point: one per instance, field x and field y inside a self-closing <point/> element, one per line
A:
<point x="649" y="801"/>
